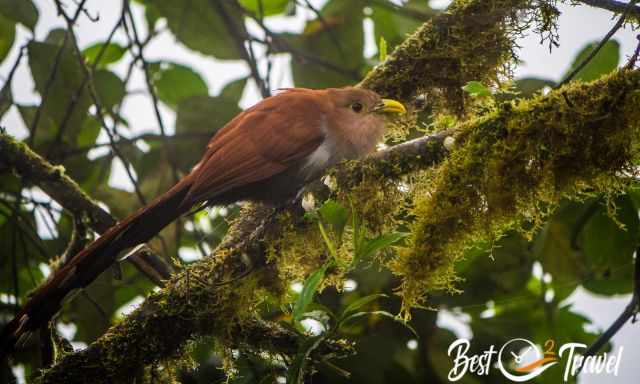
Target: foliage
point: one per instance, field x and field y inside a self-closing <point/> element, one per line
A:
<point x="541" y="193"/>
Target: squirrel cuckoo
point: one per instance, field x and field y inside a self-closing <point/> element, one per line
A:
<point x="265" y="154"/>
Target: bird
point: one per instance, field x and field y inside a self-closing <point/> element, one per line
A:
<point x="265" y="154"/>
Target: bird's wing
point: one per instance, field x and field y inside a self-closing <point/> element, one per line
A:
<point x="261" y="142"/>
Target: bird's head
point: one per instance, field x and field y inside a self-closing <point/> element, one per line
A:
<point x="359" y="115"/>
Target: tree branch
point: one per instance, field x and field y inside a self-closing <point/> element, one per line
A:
<point x="614" y="6"/>
<point x="211" y="308"/>
<point x="61" y="188"/>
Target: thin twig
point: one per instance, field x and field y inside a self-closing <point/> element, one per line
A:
<point x="132" y="140"/>
<point x="597" y="49"/>
<point x="326" y="27"/>
<point x="634" y="58"/>
<point x="9" y="79"/>
<point x="97" y="103"/>
<point x="56" y="63"/>
<point x="239" y="35"/>
<point x="145" y="66"/>
<point x="280" y="45"/>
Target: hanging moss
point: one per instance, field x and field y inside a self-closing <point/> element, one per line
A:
<point x="514" y="166"/>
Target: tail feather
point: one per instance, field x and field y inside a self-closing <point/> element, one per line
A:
<point x="84" y="267"/>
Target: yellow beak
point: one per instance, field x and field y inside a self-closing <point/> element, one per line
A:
<point x="390" y="106"/>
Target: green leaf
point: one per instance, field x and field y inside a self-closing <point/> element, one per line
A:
<point x="265" y="7"/>
<point x="335" y="215"/>
<point x="337" y="39"/>
<point x="233" y="90"/>
<point x="177" y="82"/>
<point x="605" y="61"/>
<point x="46" y="127"/>
<point x="609" y="249"/>
<point x="528" y="86"/>
<point x="361" y="302"/>
<point x="7" y="35"/>
<point x="383" y="314"/>
<point x="151" y="16"/>
<point x="203" y="113"/>
<point x="56" y="36"/>
<point x="382" y="48"/>
<point x="295" y="373"/>
<point x="62" y="90"/>
<point x="20" y="11"/>
<point x="553" y="247"/>
<point x="200" y="114"/>
<point x="199" y="26"/>
<point x="308" y="291"/>
<point x="395" y="25"/>
<point x="89" y="133"/>
<point x="112" y="53"/>
<point x="476" y="89"/>
<point x="370" y="247"/>
<point x="110" y="88"/>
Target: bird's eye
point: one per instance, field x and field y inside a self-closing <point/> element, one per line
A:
<point x="357" y="107"/>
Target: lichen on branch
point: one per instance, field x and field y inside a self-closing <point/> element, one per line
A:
<point x="513" y="166"/>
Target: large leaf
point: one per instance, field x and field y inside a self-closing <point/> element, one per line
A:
<point x="337" y="39"/>
<point x="20" y="11"/>
<point x="202" y="113"/>
<point x="393" y="25"/>
<point x="234" y="89"/>
<point x="7" y="35"/>
<point x="199" y="26"/>
<point x="46" y="126"/>
<point x="176" y="82"/>
<point x="605" y="61"/>
<point x="111" y="53"/>
<point x="197" y="115"/>
<point x="335" y="215"/>
<point x="110" y="88"/>
<point x="608" y="249"/>
<point x="265" y="8"/>
<point x="62" y="90"/>
<point x="554" y="247"/>
<point x="528" y="86"/>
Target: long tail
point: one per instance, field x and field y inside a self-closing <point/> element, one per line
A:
<point x="84" y="267"/>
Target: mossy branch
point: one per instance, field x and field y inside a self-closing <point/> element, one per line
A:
<point x="473" y="41"/>
<point x="53" y="180"/>
<point x="593" y="129"/>
<point x="513" y="167"/>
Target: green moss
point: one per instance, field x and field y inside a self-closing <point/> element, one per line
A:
<point x="513" y="166"/>
<point x="474" y="40"/>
